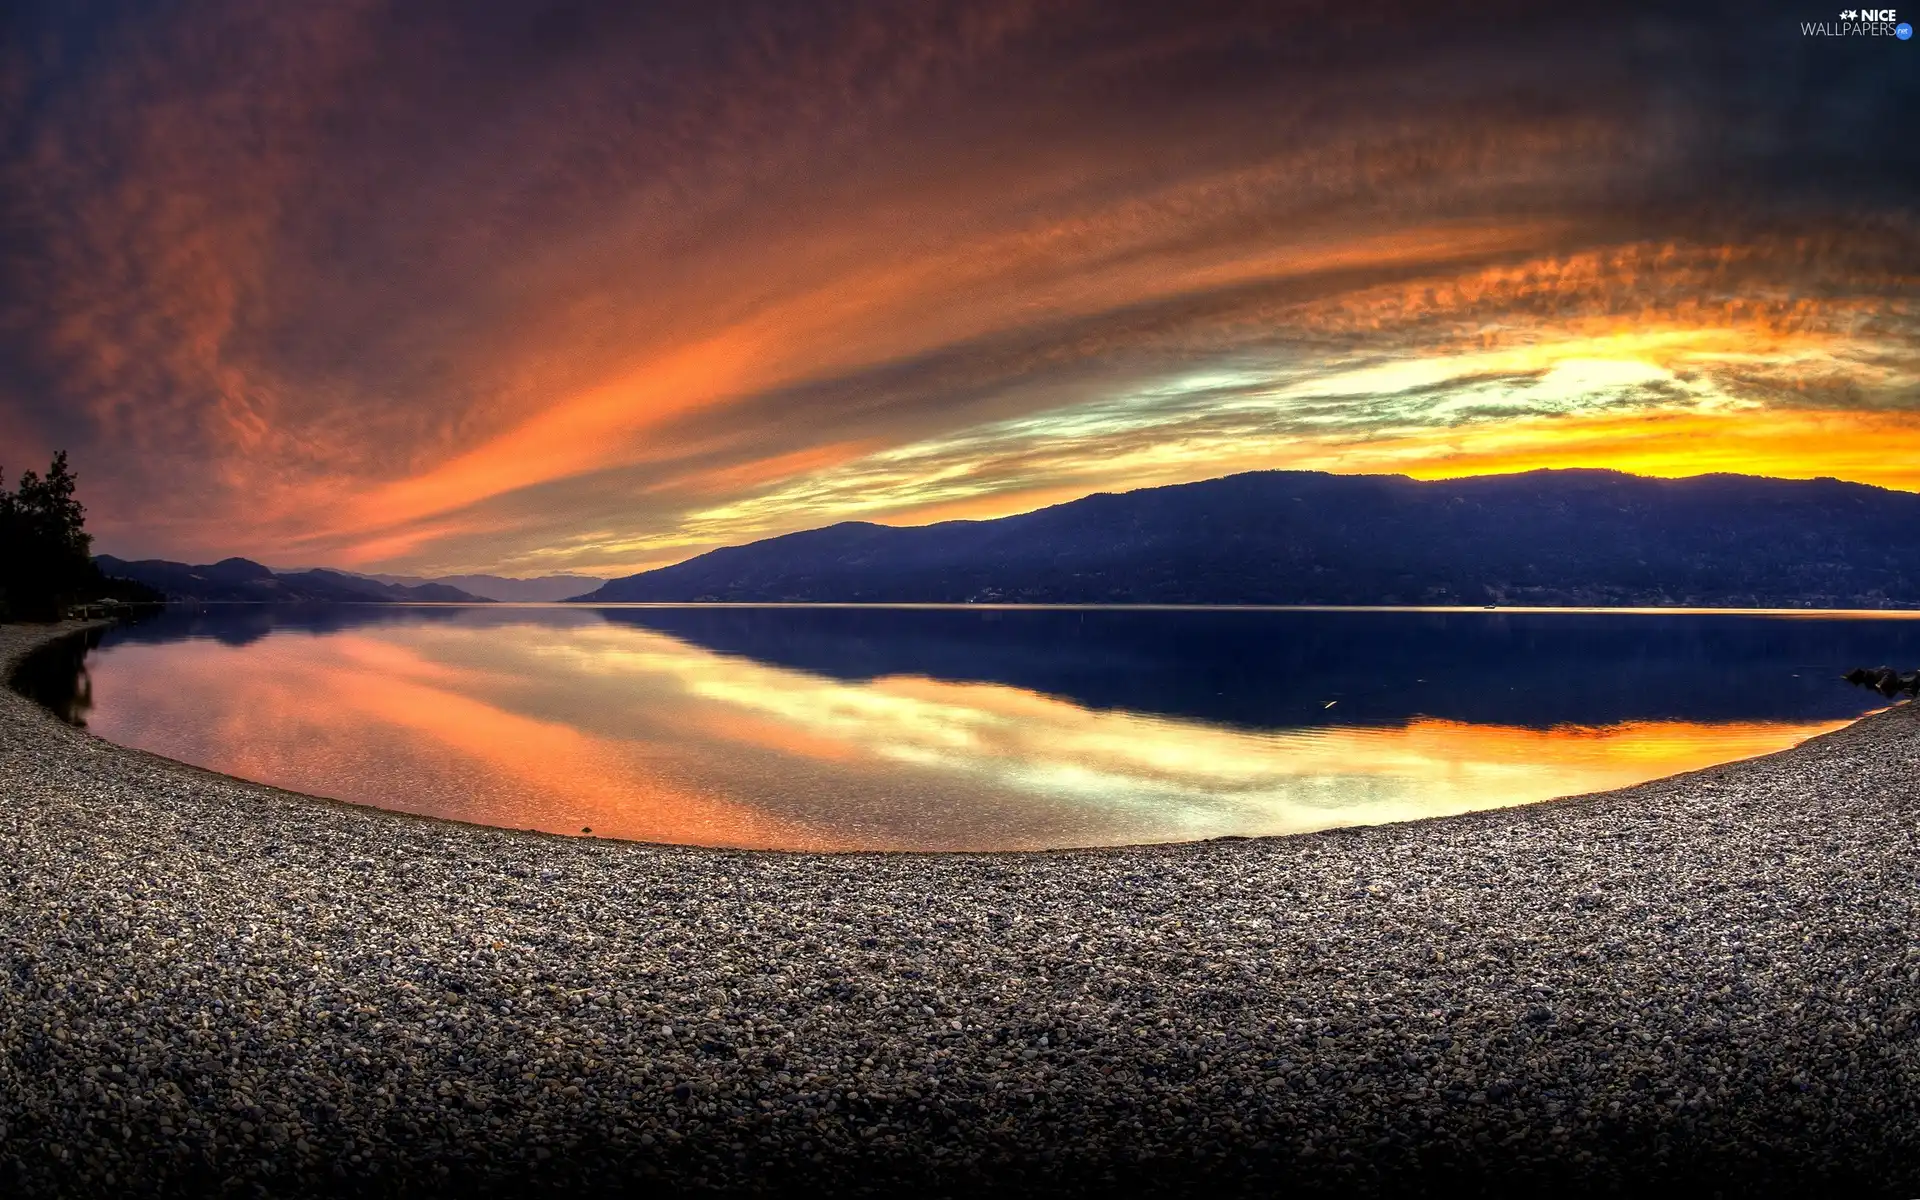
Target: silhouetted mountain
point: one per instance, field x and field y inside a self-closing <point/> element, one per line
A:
<point x="237" y="571"/>
<point x="497" y="587"/>
<point x="1579" y="537"/>
<point x="244" y="579"/>
<point x="321" y="577"/>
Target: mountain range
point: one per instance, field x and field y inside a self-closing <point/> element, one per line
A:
<point x="244" y="579"/>
<point x="498" y="587"/>
<point x="1550" y="537"/>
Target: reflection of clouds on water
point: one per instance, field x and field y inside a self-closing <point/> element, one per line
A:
<point x="356" y="719"/>
<point x="640" y="735"/>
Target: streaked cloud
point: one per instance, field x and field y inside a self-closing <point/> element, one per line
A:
<point x="600" y="286"/>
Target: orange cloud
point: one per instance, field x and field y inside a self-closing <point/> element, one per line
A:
<point x="870" y="316"/>
<point x="595" y="292"/>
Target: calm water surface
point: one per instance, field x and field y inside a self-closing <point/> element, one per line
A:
<point x="840" y="728"/>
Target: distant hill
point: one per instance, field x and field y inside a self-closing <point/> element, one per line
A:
<point x="496" y="587"/>
<point x="244" y="579"/>
<point x="1557" y="537"/>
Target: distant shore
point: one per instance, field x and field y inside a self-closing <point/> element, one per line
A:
<point x="1903" y="613"/>
<point x="208" y="984"/>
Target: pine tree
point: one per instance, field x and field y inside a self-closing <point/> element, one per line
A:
<point x="44" y="544"/>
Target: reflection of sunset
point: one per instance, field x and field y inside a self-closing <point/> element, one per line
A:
<point x="641" y="736"/>
<point x="348" y="717"/>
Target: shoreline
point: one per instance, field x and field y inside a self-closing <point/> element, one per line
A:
<point x="1705" y="979"/>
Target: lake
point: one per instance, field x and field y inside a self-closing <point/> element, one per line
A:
<point x="930" y="728"/>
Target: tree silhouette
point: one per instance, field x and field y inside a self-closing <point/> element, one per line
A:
<point x="44" y="545"/>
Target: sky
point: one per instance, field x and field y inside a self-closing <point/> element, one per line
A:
<point x="441" y="286"/>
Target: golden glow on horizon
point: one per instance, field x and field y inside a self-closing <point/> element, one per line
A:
<point x="1661" y="359"/>
<point x="1700" y="434"/>
<point x="635" y="304"/>
<point x="1874" y="448"/>
<point x="872" y="316"/>
<point x="1665" y="402"/>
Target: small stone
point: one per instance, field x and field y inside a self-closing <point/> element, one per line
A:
<point x="1621" y="987"/>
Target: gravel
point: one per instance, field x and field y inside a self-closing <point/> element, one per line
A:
<point x="211" y="986"/>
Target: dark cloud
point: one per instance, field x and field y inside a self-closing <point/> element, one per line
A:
<point x="461" y="286"/>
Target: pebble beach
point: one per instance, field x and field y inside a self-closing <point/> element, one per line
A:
<point x="209" y="986"/>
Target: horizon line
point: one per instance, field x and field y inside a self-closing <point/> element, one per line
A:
<point x="1000" y="606"/>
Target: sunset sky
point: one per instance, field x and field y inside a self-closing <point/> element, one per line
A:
<point x="438" y="286"/>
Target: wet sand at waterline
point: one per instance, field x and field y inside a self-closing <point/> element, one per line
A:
<point x="208" y="984"/>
